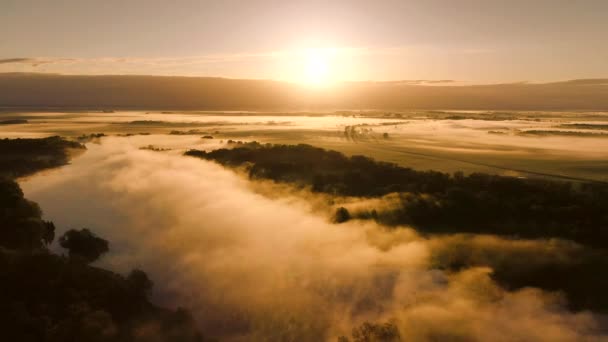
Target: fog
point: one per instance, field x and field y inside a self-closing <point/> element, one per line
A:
<point x="255" y="268"/>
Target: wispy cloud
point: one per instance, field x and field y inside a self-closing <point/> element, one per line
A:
<point x="345" y="63"/>
<point x="15" y="60"/>
<point x="420" y="82"/>
<point x="35" y="61"/>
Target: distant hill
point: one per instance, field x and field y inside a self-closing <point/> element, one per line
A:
<point x="204" y="93"/>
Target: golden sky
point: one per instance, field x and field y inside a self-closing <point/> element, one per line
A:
<point x="310" y="41"/>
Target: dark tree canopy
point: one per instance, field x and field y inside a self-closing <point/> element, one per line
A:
<point x="433" y="201"/>
<point x="341" y="215"/>
<point x="374" y="332"/>
<point x="139" y="281"/>
<point x="47" y="297"/>
<point x="83" y="244"/>
<point x="21" y="225"/>
<point x="21" y="157"/>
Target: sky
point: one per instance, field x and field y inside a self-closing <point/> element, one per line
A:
<point x="470" y="41"/>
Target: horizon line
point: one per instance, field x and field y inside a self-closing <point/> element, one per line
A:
<point x="406" y="82"/>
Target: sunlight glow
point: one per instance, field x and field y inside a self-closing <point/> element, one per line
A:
<point x="317" y="66"/>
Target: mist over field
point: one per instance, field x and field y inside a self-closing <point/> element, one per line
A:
<point x="254" y="268"/>
<point x="255" y="249"/>
<point x="303" y="171"/>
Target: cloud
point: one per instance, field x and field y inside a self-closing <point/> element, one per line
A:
<point x="34" y="62"/>
<point x="159" y="62"/>
<point x="418" y="82"/>
<point x="16" y="60"/>
<point x="253" y="268"/>
<point x="588" y="82"/>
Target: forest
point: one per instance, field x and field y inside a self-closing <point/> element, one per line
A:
<point x="22" y="157"/>
<point x="433" y="201"/>
<point x="457" y="205"/>
<point x="62" y="297"/>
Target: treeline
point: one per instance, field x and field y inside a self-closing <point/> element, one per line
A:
<point x="585" y="126"/>
<point x="552" y="265"/>
<point x="540" y="132"/>
<point x="22" y="157"/>
<point x="433" y="201"/>
<point x="51" y="297"/>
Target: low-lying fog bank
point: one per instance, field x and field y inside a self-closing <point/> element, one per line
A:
<point x="524" y="144"/>
<point x="253" y="268"/>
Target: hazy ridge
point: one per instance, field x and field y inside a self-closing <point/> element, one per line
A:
<point x="204" y="93"/>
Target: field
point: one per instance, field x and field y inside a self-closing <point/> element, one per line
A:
<point x="490" y="142"/>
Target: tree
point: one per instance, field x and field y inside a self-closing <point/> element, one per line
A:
<point x="49" y="232"/>
<point x="21" y="226"/>
<point x="140" y="282"/>
<point x="372" y="332"/>
<point x="342" y="215"/>
<point x="83" y="244"/>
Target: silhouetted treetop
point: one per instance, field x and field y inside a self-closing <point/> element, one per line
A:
<point x="374" y="332"/>
<point x="84" y="244"/>
<point x="341" y="215"/>
<point x="140" y="281"/>
<point x="21" y="224"/>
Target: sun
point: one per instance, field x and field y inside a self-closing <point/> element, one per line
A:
<point x="317" y="65"/>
